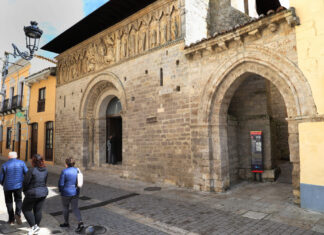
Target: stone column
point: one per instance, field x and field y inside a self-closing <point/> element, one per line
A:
<point x="294" y="158"/>
<point x="91" y="128"/>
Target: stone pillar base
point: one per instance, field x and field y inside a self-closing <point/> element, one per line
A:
<point x="296" y="182"/>
<point x="270" y="175"/>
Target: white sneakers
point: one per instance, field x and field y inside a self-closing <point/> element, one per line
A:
<point x="34" y="230"/>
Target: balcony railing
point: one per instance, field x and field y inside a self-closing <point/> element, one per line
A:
<point x="6" y="104"/>
<point x="11" y="105"/>
<point x="16" y="102"/>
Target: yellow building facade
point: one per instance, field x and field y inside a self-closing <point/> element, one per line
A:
<point x="41" y="113"/>
<point x="309" y="40"/>
<point x="14" y="126"/>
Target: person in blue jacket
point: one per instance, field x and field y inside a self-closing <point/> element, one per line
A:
<point x="11" y="178"/>
<point x="70" y="193"/>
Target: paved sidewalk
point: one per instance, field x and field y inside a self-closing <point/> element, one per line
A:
<point x="122" y="206"/>
<point x="48" y="224"/>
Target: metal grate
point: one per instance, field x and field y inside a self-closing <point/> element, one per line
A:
<point x="85" y="198"/>
<point x="151" y="189"/>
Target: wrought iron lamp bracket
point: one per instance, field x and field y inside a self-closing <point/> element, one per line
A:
<point x="25" y="55"/>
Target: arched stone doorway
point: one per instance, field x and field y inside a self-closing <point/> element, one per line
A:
<point x="217" y="96"/>
<point x="100" y="93"/>
<point x="257" y="105"/>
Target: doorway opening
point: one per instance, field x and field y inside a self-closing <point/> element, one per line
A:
<point x="257" y="105"/>
<point x="114" y="132"/>
<point x="1" y="138"/>
<point x="18" y="138"/>
<point x="49" y="141"/>
<point x="34" y="138"/>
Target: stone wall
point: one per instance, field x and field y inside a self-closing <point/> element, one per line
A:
<point x="153" y="151"/>
<point x="223" y="17"/>
<point x="278" y="113"/>
<point x="233" y="151"/>
<point x="173" y="98"/>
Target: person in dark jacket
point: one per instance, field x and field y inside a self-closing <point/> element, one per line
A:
<point x="70" y="193"/>
<point x="35" y="191"/>
<point x="11" y="178"/>
<point x="114" y="149"/>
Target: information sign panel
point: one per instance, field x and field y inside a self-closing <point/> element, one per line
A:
<point x="257" y="150"/>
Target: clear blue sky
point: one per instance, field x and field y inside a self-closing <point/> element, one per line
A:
<point x="91" y="5"/>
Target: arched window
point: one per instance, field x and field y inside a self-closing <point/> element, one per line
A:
<point x="114" y="107"/>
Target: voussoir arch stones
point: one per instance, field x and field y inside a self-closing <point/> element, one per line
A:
<point x="95" y="88"/>
<point x="278" y="69"/>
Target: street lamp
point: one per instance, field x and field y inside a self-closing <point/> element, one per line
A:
<point x="33" y="35"/>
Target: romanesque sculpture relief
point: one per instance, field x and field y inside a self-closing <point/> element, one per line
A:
<point x="142" y="38"/>
<point x="175" y="24"/>
<point x="147" y="32"/>
<point x="131" y="42"/>
<point x="91" y="57"/>
<point x="153" y="33"/>
<point x="163" y="29"/>
<point x="101" y="51"/>
<point x="123" y="46"/>
<point x="110" y="44"/>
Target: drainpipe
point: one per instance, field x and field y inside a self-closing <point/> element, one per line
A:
<point x="27" y="118"/>
<point x="14" y="134"/>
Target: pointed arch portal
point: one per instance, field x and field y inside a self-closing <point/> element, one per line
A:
<point x="276" y="72"/>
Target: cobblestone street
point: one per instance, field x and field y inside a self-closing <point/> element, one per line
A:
<point x="124" y="207"/>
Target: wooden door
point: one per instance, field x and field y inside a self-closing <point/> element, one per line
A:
<point x="19" y="139"/>
<point x="34" y="136"/>
<point x="49" y="142"/>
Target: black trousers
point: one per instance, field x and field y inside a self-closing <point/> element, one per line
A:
<point x="31" y="205"/>
<point x="66" y="201"/>
<point x="17" y="194"/>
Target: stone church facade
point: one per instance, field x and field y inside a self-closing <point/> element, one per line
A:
<point x="192" y="80"/>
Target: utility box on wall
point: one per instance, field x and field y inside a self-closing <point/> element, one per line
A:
<point x="257" y="150"/>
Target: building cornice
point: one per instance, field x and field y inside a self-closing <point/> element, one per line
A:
<point x="221" y="41"/>
<point x="17" y="66"/>
<point x="39" y="76"/>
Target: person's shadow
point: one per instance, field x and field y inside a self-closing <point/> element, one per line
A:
<point x="6" y="228"/>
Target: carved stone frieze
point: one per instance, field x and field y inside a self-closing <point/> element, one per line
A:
<point x="156" y="28"/>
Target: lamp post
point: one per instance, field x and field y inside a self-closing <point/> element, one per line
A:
<point x="33" y="34"/>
